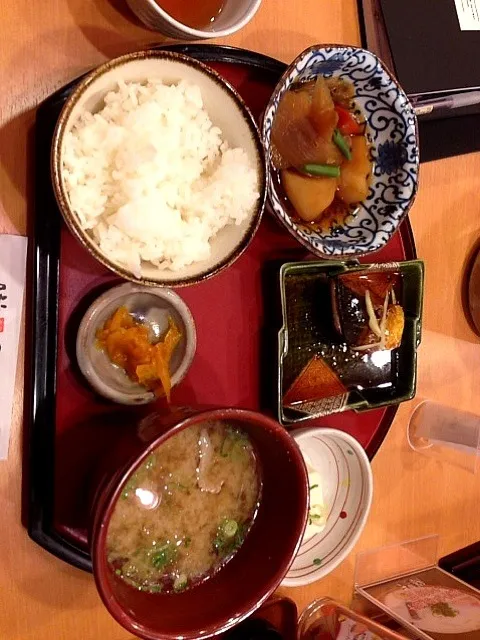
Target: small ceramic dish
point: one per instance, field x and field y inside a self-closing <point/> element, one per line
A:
<point x="308" y="333"/>
<point x="152" y="307"/>
<point x="391" y="130"/>
<point x="235" y="14"/>
<point x="347" y="487"/>
<point x="226" y="110"/>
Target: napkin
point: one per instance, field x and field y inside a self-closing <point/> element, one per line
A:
<point x="13" y="254"/>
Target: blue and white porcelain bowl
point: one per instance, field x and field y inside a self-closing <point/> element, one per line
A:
<point x="392" y="133"/>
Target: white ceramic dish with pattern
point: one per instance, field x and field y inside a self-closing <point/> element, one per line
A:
<point x="392" y="133"/>
<point x="234" y="16"/>
<point x="347" y="487"/>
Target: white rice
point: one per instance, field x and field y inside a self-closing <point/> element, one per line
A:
<point x="151" y="179"/>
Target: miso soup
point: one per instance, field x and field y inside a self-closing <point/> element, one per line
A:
<point x="187" y="510"/>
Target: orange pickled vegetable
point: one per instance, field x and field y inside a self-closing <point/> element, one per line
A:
<point x="128" y="345"/>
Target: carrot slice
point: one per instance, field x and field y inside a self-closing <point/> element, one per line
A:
<point x="347" y="125"/>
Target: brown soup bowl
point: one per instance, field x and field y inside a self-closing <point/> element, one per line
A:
<point x="254" y="572"/>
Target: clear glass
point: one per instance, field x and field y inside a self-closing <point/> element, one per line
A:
<point x="391" y="563"/>
<point x="445" y="433"/>
<point x="326" y="618"/>
<point x="395" y="560"/>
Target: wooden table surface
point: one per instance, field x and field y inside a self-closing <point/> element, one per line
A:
<point x="45" y="44"/>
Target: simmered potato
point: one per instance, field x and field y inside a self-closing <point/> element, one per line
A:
<point x="309" y="196"/>
<point x="353" y="183"/>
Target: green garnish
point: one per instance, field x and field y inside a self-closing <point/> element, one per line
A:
<point x="187" y="542"/>
<point x="230" y="536"/>
<point x="314" y="486"/>
<point x="443" y="609"/>
<point x="315" y="516"/>
<point x="240" y="536"/>
<point x="223" y="451"/>
<point x="130" y="486"/>
<point x="235" y="441"/>
<point x="317" y="562"/>
<point x="218" y="543"/>
<point x="230" y="528"/>
<point x="328" y="170"/>
<point x="342" y="144"/>
<point x="180" y="582"/>
<point x="164" y="556"/>
<point x="155" y="588"/>
<point x="118" y="572"/>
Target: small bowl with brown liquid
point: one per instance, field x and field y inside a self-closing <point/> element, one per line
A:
<point x="189" y="20"/>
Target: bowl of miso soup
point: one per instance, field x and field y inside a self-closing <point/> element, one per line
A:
<point x="199" y="522"/>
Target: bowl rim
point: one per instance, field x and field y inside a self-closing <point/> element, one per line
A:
<point x="321" y="571"/>
<point x="111" y="492"/>
<point x="104" y="300"/>
<point x="60" y="192"/>
<point x="278" y="88"/>
<point x="200" y="33"/>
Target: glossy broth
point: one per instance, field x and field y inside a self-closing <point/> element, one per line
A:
<point x="194" y="14"/>
<point x="186" y="511"/>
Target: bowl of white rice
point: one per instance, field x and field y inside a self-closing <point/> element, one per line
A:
<point x="158" y="169"/>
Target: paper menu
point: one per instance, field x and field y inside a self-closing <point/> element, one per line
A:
<point x="468" y="12"/>
<point x="13" y="255"/>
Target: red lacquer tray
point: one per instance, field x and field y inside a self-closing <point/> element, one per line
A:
<point x="232" y="366"/>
